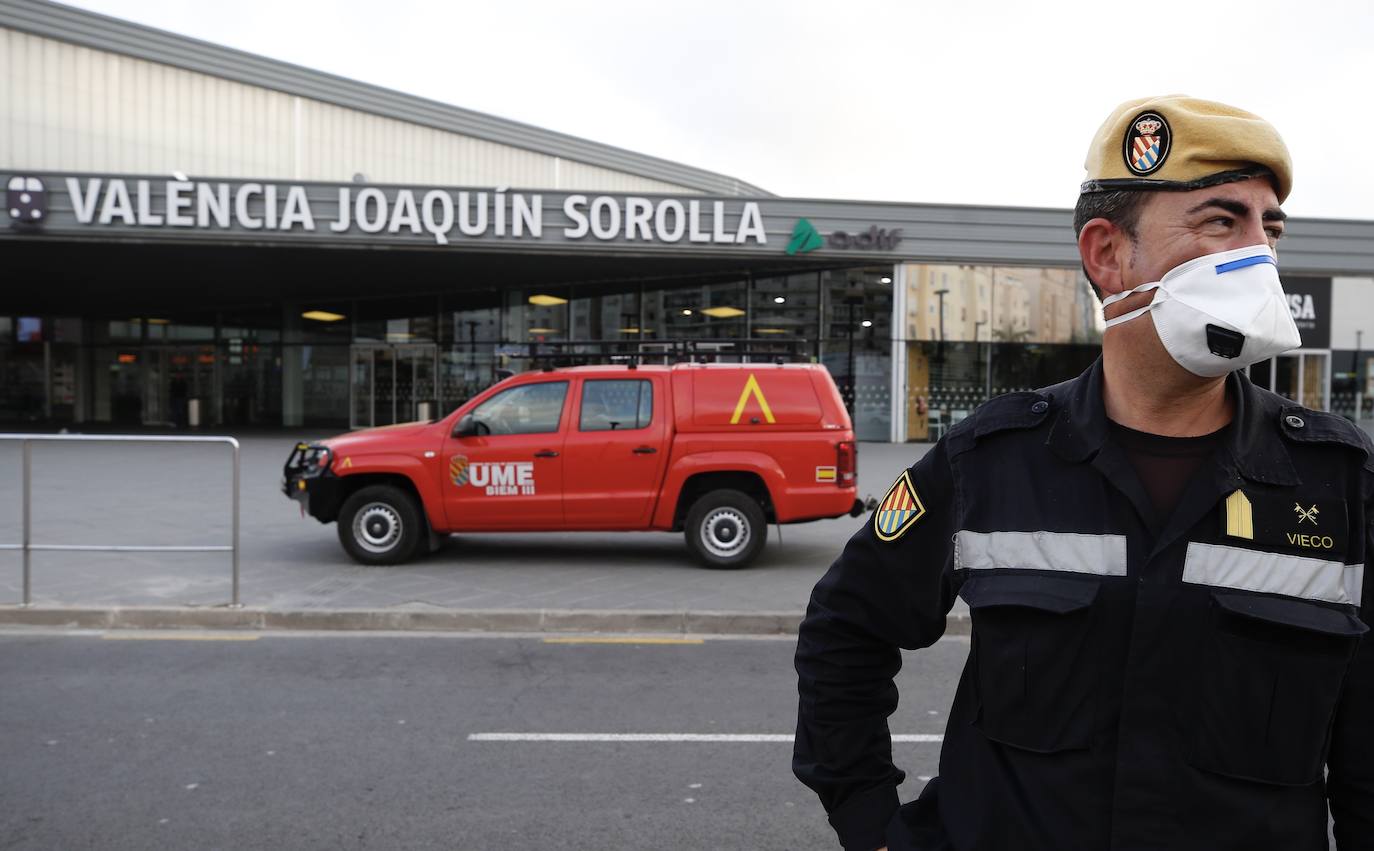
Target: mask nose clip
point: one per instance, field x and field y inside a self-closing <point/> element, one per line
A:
<point x="1223" y="342"/>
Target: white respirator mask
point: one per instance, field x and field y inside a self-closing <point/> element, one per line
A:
<point x="1219" y="312"/>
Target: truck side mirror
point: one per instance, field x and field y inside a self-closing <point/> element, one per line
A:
<point x="466" y="426"/>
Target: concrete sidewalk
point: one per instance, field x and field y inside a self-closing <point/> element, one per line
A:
<point x="295" y="575"/>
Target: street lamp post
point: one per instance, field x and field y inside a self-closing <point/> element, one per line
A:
<point x="977" y="337"/>
<point x="1359" y="388"/>
<point x="853" y="297"/>
<point x="940" y="345"/>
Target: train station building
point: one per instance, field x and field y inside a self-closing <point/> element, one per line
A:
<point x="197" y="237"/>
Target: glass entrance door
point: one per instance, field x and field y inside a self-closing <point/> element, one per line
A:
<point x="392" y="384"/>
<point x="416" y="385"/>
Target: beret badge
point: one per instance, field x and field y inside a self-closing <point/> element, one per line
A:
<point x="1146" y="145"/>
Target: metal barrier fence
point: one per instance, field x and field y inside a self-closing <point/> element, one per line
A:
<point x="28" y="547"/>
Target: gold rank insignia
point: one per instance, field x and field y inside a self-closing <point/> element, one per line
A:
<point x="898" y="511"/>
<point x="1240" y="516"/>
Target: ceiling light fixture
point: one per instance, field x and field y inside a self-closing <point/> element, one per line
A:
<point x="686" y="311"/>
<point x="867" y="323"/>
<point x="547" y="300"/>
<point x="543" y="330"/>
<point x="722" y="312"/>
<point x="322" y="316"/>
<point x="884" y="280"/>
<point x="779" y="299"/>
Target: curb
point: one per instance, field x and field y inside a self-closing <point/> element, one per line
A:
<point x="401" y="620"/>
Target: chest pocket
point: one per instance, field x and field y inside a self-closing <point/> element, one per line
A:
<point x="1268" y="679"/>
<point x="1036" y="670"/>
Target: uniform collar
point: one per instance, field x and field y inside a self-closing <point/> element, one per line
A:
<point x="1254" y="447"/>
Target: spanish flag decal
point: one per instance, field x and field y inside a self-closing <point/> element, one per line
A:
<point x="898" y="511"/>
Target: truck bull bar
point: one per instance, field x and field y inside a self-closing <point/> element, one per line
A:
<point x="28" y="547"/>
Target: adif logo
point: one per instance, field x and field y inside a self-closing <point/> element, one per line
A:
<point x="495" y="478"/>
<point x="27" y="201"/>
<point x="805" y="238"/>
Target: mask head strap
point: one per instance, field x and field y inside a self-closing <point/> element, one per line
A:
<point x="1139" y="311"/>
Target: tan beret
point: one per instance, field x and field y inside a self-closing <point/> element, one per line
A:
<point x="1178" y="142"/>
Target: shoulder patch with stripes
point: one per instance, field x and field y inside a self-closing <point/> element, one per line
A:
<point x="899" y="510"/>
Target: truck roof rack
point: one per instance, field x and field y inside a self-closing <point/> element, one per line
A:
<point x="547" y="355"/>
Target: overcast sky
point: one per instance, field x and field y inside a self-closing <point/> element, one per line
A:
<point x="960" y="102"/>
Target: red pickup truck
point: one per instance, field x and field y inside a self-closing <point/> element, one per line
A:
<point x="715" y="451"/>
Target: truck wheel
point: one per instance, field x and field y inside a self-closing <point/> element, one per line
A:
<point x="381" y="524"/>
<point x="726" y="529"/>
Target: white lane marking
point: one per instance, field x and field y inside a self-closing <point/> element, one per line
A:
<point x="603" y="639"/>
<point x="184" y="636"/>
<point x="669" y="737"/>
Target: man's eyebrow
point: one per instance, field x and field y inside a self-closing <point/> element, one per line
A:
<point x="1235" y="208"/>
<point x="1238" y="208"/>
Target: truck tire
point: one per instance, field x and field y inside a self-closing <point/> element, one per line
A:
<point x="726" y="529"/>
<point x="381" y="524"/>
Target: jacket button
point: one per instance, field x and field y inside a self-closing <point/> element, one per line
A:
<point x="1294" y="421"/>
<point x="1040" y="407"/>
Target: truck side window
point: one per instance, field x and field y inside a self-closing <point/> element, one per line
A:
<point x="616" y="405"/>
<point x="527" y="409"/>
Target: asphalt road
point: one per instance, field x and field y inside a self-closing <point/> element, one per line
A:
<point x="308" y="741"/>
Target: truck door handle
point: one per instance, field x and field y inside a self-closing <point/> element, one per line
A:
<point x="644" y="450"/>
<point x="546" y="453"/>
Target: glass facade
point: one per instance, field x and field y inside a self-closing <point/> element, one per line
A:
<point x="973" y="332"/>
<point x="359" y="362"/>
<point x="1352" y="384"/>
<point x="913" y="348"/>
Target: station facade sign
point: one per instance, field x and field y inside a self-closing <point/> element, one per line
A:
<point x="175" y="208"/>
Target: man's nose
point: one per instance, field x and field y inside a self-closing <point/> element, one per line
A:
<point x="1252" y="232"/>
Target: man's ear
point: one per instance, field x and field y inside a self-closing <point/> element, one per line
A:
<point x="1103" y="248"/>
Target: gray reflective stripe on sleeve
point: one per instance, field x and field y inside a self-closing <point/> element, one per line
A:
<point x="1354" y="582"/>
<point x="1069" y="552"/>
<point x="1271" y="573"/>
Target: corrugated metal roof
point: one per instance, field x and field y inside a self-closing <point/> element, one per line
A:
<point x="77" y="26"/>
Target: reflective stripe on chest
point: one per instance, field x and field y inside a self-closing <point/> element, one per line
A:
<point x="1273" y="573"/>
<point x="1061" y="552"/>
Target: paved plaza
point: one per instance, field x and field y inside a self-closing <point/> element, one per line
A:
<point x="102" y="493"/>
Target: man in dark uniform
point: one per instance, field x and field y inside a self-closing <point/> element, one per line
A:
<point x="1163" y="563"/>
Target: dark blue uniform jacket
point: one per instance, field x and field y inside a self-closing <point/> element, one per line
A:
<point x="1206" y="687"/>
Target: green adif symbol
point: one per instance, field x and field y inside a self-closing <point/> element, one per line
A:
<point x="805" y="238"/>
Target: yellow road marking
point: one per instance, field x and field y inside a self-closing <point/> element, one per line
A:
<point x="622" y="640"/>
<point x="174" y="636"/>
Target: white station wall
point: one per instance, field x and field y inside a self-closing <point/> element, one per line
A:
<point x="72" y="108"/>
<point x="1352" y="310"/>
